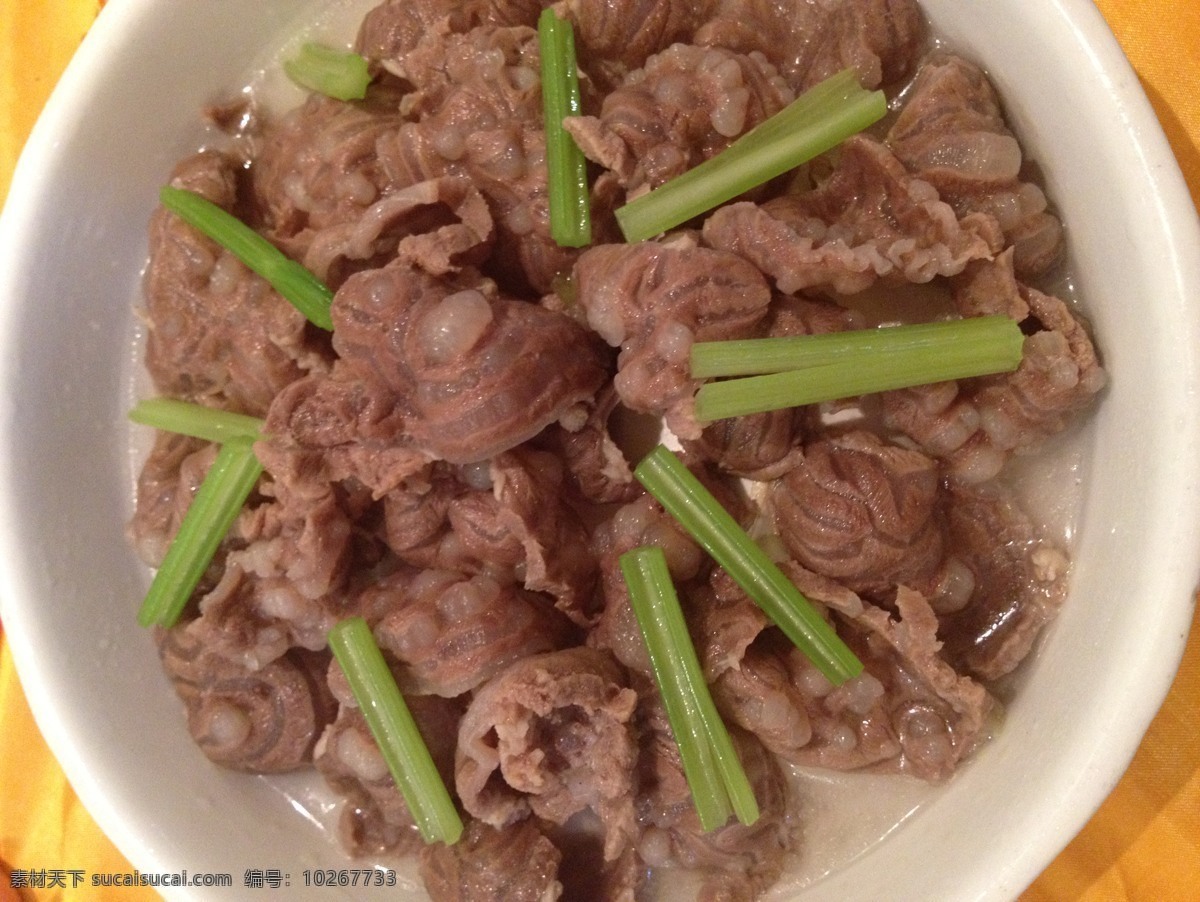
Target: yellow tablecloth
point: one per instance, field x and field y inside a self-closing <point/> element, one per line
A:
<point x="1142" y="846"/>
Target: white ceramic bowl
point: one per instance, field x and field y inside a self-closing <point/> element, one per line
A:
<point x="72" y="245"/>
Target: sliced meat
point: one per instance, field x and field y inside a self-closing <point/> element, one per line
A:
<point x="870" y="219"/>
<point x="880" y="39"/>
<point x="450" y="633"/>
<point x="597" y="468"/>
<point x="653" y="300"/>
<point x="432" y="369"/>
<point x="169" y="477"/>
<point x="375" y="818"/>
<point x="737" y="863"/>
<point x="1019" y="580"/>
<point x="257" y="719"/>
<point x="975" y="425"/>
<point x="908" y="712"/>
<point x="553" y="736"/>
<point x="390" y="31"/>
<point x="217" y="333"/>
<point x="861" y="511"/>
<point x="952" y="133"/>
<point x="615" y="36"/>
<point x="516" y="864"/>
<point x="683" y="106"/>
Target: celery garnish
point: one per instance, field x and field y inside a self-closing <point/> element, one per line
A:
<point x="341" y="74"/>
<point x="569" y="201"/>
<point x="395" y="731"/>
<point x="816" y="121"/>
<point x="983" y="350"/>
<point x="216" y="505"/>
<point x="710" y="762"/>
<point x="755" y="356"/>
<point x="687" y="500"/>
<point x="196" y="420"/>
<point x="295" y="283"/>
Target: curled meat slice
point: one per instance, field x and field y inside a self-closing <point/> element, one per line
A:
<point x="862" y="512"/>
<point x="618" y="35"/>
<point x="880" y="39"/>
<point x="596" y="466"/>
<point x="169" y="477"/>
<point x="439" y="224"/>
<point x="653" y="300"/>
<point x="451" y="632"/>
<point x="390" y="30"/>
<point x="516" y="864"/>
<point x="432" y="369"/>
<point x="685" y="105"/>
<point x="216" y="332"/>
<point x="511" y="522"/>
<point x="974" y="425"/>
<point x="764" y="446"/>
<point x="909" y="711"/>
<point x="552" y="735"/>
<point x="374" y="816"/>
<point x="318" y="166"/>
<point x="746" y="662"/>
<point x="488" y="74"/>
<point x="1019" y="581"/>
<point x="529" y="507"/>
<point x="261" y="720"/>
<point x="951" y="132"/>
<point x="736" y="862"/>
<point x="476" y="373"/>
<point x="869" y="219"/>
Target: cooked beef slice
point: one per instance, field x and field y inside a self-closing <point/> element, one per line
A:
<point x="684" y="106"/>
<point x="258" y="719"/>
<point x="810" y="41"/>
<point x="552" y="735"/>
<point x="374" y="817"/>
<point x="653" y="300"/>
<point x="861" y="511"/>
<point x="951" y="132"/>
<point x="216" y="333"/>
<point x="431" y="369"/>
<point x="449" y="633"/>
<point x="1019" y="577"/>
<point x="869" y="219"/>
<point x="737" y="862"/>
<point x="974" y="425"/>
<point x="516" y="864"/>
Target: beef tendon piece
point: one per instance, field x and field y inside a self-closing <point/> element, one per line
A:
<point x="951" y="132"/>
<point x="880" y="39"/>
<point x="684" y="106"/>
<point x="552" y="735"/>
<point x="261" y="720"/>
<point x="862" y="511"/>
<point x="870" y="219"/>
<point x="216" y="333"/>
<point x="450" y="632"/>
<point x="516" y="864"/>
<point x="736" y="862"/>
<point x="375" y="818"/>
<point x="653" y="300"/>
